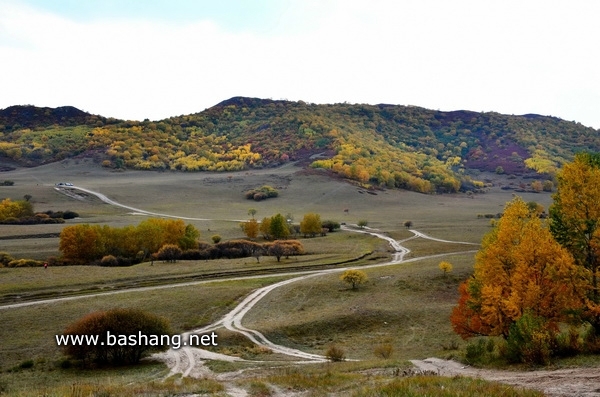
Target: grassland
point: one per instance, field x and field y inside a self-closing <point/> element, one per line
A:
<point x="405" y="306"/>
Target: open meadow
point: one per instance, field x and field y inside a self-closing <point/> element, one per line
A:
<point x="400" y="313"/>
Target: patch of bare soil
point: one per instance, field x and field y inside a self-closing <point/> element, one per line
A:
<point x="581" y="382"/>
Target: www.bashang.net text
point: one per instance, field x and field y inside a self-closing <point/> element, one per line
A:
<point x="139" y="339"/>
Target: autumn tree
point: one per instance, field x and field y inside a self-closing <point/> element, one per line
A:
<point x="80" y="244"/>
<point x="251" y="228"/>
<point x="354" y="277"/>
<point x="445" y="267"/>
<point x="575" y="223"/>
<point x="520" y="267"/>
<point x="311" y="224"/>
<point x="265" y="228"/>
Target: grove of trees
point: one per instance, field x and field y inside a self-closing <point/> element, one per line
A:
<point x="84" y="244"/>
<point x="532" y="276"/>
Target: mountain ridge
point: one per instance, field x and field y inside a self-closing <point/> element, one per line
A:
<point x="380" y="145"/>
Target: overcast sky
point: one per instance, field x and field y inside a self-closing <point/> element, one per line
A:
<point x="137" y="59"/>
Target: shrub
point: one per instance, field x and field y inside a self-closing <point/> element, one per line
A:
<point x="169" y="253"/>
<point x="335" y="354"/>
<point x="568" y="343"/>
<point x="5" y="258"/>
<point x="70" y="215"/>
<point x="261" y="193"/>
<point x="121" y="323"/>
<point x="384" y="350"/>
<point x="24" y="263"/>
<point x="216" y="238"/>
<point x="331" y="225"/>
<point x="109" y="260"/>
<point x="530" y="340"/>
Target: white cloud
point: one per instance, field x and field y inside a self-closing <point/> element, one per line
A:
<point x="510" y="57"/>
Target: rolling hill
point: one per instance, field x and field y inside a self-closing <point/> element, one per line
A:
<point x="379" y="145"/>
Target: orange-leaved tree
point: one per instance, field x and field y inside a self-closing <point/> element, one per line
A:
<point x="520" y="268"/>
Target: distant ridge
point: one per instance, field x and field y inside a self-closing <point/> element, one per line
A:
<point x="28" y="116"/>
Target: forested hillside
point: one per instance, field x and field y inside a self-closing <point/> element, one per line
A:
<point x="386" y="145"/>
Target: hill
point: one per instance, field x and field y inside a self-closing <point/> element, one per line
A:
<point x="381" y="145"/>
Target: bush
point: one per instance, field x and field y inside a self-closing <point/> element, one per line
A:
<point x="109" y="260"/>
<point x="384" y="350"/>
<point x="335" y="354"/>
<point x="216" y="238"/>
<point x="568" y="343"/>
<point x="169" y="253"/>
<point x="262" y="193"/>
<point x="121" y="323"/>
<point x="331" y="225"/>
<point x="24" y="263"/>
<point x="530" y="341"/>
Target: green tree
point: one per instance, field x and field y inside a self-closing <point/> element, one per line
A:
<point x="363" y="223"/>
<point x="279" y="228"/>
<point x="354" y="277"/>
<point x="252" y="212"/>
<point x="311" y="224"/>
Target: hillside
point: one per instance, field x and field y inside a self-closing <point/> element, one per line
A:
<point x="381" y="145"/>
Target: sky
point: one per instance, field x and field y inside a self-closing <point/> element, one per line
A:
<point x="153" y="59"/>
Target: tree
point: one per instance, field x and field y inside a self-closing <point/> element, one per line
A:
<point x="80" y="244"/>
<point x="363" y="223"/>
<point x="277" y="249"/>
<point x="575" y="223"/>
<point x="311" y="224"/>
<point x="445" y="267"/>
<point x="251" y="228"/>
<point x="265" y="228"/>
<point x="252" y="212"/>
<point x="408" y="224"/>
<point x="519" y="268"/>
<point x="279" y="228"/>
<point x="121" y="323"/>
<point x="354" y="277"/>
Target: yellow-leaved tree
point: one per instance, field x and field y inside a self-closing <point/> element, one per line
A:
<point x="520" y="268"/>
<point x="575" y="223"/>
